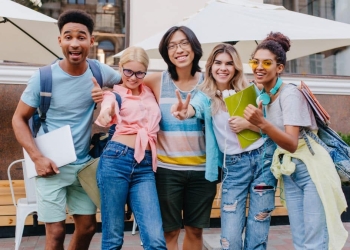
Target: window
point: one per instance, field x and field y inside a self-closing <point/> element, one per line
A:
<point x="76" y="1"/>
<point x="106" y="2"/>
<point x="105" y="22"/>
<point x="106" y="51"/>
<point x="291" y="67"/>
<point x="316" y="64"/>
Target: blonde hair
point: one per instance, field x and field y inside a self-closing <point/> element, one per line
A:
<point x="137" y="54"/>
<point x="238" y="81"/>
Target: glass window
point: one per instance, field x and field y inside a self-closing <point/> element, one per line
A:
<point x="106" y="1"/>
<point x="76" y="1"/>
<point x="317" y="63"/>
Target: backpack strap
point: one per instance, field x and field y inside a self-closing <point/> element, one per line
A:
<point x="46" y="89"/>
<point x="96" y="71"/>
<point x="112" y="128"/>
<point x="45" y="94"/>
<point x="119" y="99"/>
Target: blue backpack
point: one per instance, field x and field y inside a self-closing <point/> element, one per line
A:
<point x="39" y="117"/>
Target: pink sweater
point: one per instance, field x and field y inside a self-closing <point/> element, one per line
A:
<point x="138" y="115"/>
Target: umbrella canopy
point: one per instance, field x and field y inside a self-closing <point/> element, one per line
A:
<point x="27" y="35"/>
<point x="247" y="23"/>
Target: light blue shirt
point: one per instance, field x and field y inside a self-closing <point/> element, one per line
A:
<point x="71" y="103"/>
<point x="214" y="158"/>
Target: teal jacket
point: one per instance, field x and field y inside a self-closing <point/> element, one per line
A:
<point x="214" y="158"/>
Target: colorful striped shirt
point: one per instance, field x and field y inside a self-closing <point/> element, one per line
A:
<point x="181" y="144"/>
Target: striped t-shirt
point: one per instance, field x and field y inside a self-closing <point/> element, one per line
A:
<point x="181" y="144"/>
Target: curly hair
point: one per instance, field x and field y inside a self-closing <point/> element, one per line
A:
<point x="76" y="16"/>
<point x="278" y="44"/>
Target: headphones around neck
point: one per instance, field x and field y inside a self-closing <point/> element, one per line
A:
<point x="265" y="97"/>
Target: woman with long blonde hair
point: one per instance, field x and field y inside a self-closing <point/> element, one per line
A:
<point x="245" y="170"/>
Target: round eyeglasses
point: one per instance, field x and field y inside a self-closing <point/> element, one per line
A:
<point x="183" y="45"/>
<point x="266" y="64"/>
<point x="130" y="73"/>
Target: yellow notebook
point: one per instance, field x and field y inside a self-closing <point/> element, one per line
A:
<point x="235" y="105"/>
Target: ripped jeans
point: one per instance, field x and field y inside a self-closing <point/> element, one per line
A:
<point x="248" y="172"/>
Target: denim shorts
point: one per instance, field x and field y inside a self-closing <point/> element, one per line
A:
<point x="184" y="191"/>
<point x="56" y="192"/>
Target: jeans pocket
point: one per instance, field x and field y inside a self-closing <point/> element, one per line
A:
<point x="111" y="153"/>
<point x="232" y="159"/>
<point x="269" y="148"/>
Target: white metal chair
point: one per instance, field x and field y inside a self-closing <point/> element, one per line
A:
<point x="24" y="206"/>
<point x="133" y="231"/>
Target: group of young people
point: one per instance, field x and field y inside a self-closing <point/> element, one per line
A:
<point x="173" y="134"/>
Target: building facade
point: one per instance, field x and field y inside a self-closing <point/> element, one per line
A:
<point x="109" y="24"/>
<point x="332" y="62"/>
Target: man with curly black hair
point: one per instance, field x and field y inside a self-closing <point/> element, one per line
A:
<point x="71" y="104"/>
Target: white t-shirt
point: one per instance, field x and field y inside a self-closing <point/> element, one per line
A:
<point x="228" y="139"/>
<point x="290" y="108"/>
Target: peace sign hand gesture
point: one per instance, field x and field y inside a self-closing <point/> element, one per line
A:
<point x="180" y="109"/>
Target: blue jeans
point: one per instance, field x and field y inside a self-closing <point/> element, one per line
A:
<point x="305" y="210"/>
<point x="248" y="172"/>
<point x="119" y="177"/>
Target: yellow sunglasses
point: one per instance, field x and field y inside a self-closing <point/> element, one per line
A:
<point x="266" y="64"/>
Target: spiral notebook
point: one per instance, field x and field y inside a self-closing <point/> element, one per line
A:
<point x="235" y="105"/>
<point x="56" y="145"/>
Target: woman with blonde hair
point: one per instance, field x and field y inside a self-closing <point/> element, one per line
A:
<point x="245" y="170"/>
<point x="127" y="164"/>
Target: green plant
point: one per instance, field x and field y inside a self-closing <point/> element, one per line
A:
<point x="345" y="137"/>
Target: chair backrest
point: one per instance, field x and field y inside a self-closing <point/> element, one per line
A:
<point x="29" y="184"/>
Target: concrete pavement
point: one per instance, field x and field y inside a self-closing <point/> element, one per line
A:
<point x="279" y="239"/>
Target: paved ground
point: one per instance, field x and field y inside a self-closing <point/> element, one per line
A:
<point x="279" y="239"/>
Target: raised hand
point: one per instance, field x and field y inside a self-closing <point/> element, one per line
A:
<point x="180" y="109"/>
<point x="254" y="115"/>
<point x="96" y="92"/>
<point x="106" y="115"/>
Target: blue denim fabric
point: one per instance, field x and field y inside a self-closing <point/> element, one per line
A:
<point x="120" y="177"/>
<point x="214" y="158"/>
<point x="245" y="173"/>
<point x="306" y="214"/>
<point x="335" y="146"/>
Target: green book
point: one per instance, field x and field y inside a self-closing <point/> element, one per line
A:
<point x="235" y="105"/>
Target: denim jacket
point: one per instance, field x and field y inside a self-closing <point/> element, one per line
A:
<point x="335" y="146"/>
<point x="214" y="158"/>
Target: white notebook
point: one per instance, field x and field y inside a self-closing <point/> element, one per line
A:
<point x="56" y="145"/>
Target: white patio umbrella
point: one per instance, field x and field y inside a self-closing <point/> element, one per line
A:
<point x="247" y="23"/>
<point x="27" y="35"/>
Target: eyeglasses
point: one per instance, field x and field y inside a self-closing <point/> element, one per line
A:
<point x="138" y="74"/>
<point x="266" y="64"/>
<point x="183" y="45"/>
